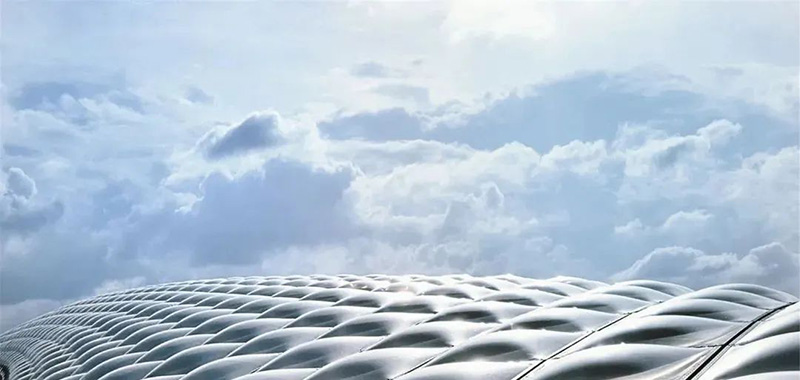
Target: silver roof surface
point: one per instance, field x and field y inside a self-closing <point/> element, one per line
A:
<point x="414" y="327"/>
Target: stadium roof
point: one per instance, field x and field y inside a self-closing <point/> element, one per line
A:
<point x="455" y="327"/>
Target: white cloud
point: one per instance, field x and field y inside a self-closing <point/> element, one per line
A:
<point x="683" y="222"/>
<point x="474" y="197"/>
<point x="719" y="132"/>
<point x="764" y="188"/>
<point x="20" y="210"/>
<point x="14" y="314"/>
<point x="487" y="137"/>
<point x="676" y="155"/>
<point x="19" y="184"/>
<point x="631" y="229"/>
<point x="469" y="18"/>
<point x="111" y="286"/>
<point x="583" y="158"/>
<point x="423" y="191"/>
<point x="680" y="225"/>
<point x="771" y="265"/>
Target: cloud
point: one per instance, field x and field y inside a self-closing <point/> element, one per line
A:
<point x="764" y="188"/>
<point x="20" y="212"/>
<point x="20" y="150"/>
<point x="771" y="265"/>
<point x="383" y="125"/>
<point x="474" y="19"/>
<point x="238" y="220"/>
<point x="672" y="153"/>
<point x="371" y="70"/>
<point x="79" y="102"/>
<point x="678" y="225"/>
<point x="198" y="96"/>
<point x="584" y="107"/>
<point x="15" y="314"/>
<point x="579" y="157"/>
<point x="692" y="221"/>
<point x="52" y="264"/>
<point x="258" y="131"/>
<point x="119" y="285"/>
<point x="404" y="92"/>
<point x="20" y="185"/>
<point x="454" y="189"/>
<point x="501" y="152"/>
<point x="42" y="94"/>
<point x="631" y="229"/>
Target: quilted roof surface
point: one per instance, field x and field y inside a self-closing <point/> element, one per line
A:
<point x="412" y="327"/>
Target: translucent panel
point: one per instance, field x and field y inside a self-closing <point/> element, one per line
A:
<point x="778" y="353"/>
<point x="417" y="327"/>
<point x="621" y="361"/>
<point x="191" y="358"/>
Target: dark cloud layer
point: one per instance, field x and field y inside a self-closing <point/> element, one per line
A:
<point x="198" y="96"/>
<point x="583" y="107"/>
<point x="48" y="95"/>
<point x="238" y="221"/>
<point x="370" y="70"/>
<point x="20" y="150"/>
<point x="256" y="132"/>
<point x="390" y="124"/>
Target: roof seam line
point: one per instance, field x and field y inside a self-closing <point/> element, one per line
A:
<point x="538" y="364"/>
<point x="720" y="352"/>
<point x="446" y="349"/>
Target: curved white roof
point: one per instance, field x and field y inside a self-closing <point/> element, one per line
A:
<point x="412" y="327"/>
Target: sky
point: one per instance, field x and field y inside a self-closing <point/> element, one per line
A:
<point x="149" y="142"/>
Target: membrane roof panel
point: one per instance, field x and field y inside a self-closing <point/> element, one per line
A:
<point x="412" y="327"/>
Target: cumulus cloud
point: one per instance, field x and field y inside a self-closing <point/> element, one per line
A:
<point x="582" y="158"/>
<point x="692" y="221"/>
<point x="391" y="192"/>
<point x="20" y="212"/>
<point x="631" y="229"/>
<point x="238" y="220"/>
<point x="771" y="265"/>
<point x="485" y="164"/>
<point x="258" y="131"/>
<point x="680" y="223"/>
<point x="764" y="188"/>
<point x="674" y="153"/>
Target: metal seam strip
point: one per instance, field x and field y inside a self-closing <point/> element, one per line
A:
<point x="538" y="364"/>
<point x="720" y="352"/>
